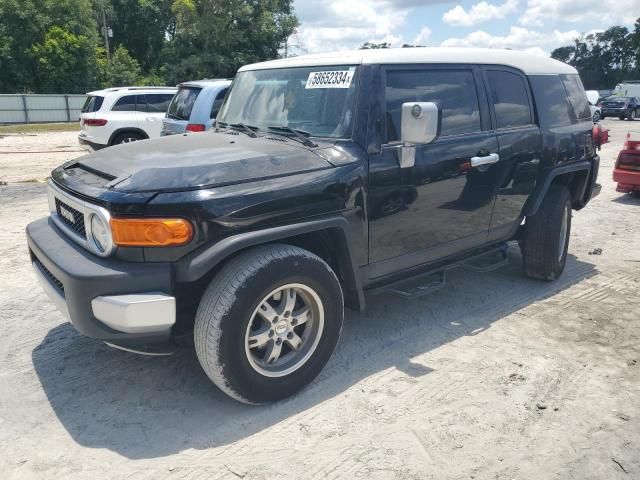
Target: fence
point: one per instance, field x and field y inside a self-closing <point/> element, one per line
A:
<point x="31" y="108"/>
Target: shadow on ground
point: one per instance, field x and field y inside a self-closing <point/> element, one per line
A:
<point x="143" y="407"/>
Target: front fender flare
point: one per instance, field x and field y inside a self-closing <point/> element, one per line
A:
<point x="198" y="264"/>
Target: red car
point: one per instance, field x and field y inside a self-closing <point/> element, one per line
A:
<point x="627" y="168"/>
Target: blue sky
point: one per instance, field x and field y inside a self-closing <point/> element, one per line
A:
<point x="537" y="26"/>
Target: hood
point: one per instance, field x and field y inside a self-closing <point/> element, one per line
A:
<point x="188" y="162"/>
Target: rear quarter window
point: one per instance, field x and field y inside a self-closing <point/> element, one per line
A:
<point x="577" y="96"/>
<point x="551" y="101"/>
<point x="182" y="103"/>
<point x="217" y="103"/>
<point x="92" y="104"/>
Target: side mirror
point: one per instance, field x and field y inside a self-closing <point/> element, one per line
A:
<point x="421" y="122"/>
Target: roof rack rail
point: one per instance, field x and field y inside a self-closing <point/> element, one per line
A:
<point x="115" y="89"/>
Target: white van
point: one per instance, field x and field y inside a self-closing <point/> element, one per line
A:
<point x="628" y="88"/>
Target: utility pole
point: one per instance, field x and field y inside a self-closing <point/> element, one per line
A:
<point x="105" y="31"/>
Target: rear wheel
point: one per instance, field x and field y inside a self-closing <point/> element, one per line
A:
<point x="268" y="323"/>
<point x="126" y="137"/>
<point x="596" y="116"/>
<point x="546" y="235"/>
<point x="632" y="115"/>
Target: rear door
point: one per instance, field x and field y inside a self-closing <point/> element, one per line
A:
<point x="154" y="106"/>
<point x="519" y="147"/>
<point x="179" y="112"/>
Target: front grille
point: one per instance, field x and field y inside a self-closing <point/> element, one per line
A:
<point x="54" y="280"/>
<point x="66" y="213"/>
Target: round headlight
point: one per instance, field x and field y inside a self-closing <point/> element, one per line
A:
<point x="99" y="232"/>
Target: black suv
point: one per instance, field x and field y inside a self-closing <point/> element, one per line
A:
<point x="326" y="178"/>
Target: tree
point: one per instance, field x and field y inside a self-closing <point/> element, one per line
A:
<point x="65" y="62"/>
<point x="374" y="46"/>
<point x="33" y="37"/>
<point x="606" y="58"/>
<point x="121" y="70"/>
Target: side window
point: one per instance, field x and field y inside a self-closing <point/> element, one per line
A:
<point x="453" y="90"/>
<point x="125" y="104"/>
<point x="217" y="103"/>
<point x="551" y="101"/>
<point x="141" y="103"/>
<point x="509" y="94"/>
<point x="577" y="96"/>
<point x="158" y="102"/>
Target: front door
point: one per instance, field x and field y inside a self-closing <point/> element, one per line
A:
<point x="442" y="205"/>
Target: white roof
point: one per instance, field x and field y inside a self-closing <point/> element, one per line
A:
<point x="527" y="62"/>
<point x="134" y="90"/>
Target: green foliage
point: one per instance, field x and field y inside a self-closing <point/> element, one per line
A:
<point x="606" y="58"/>
<point x="122" y="70"/>
<point x="58" y="45"/>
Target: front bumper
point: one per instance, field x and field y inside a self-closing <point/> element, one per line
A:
<point x="123" y="303"/>
<point x="628" y="180"/>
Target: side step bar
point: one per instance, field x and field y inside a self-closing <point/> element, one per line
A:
<point x="409" y="288"/>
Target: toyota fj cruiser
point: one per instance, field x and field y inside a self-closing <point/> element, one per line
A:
<point x="326" y="177"/>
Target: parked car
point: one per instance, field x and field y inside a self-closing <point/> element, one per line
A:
<point x="122" y="115"/>
<point x="627" y="168"/>
<point x="625" y="108"/>
<point x="327" y="177"/>
<point x="195" y="106"/>
<point x="593" y="97"/>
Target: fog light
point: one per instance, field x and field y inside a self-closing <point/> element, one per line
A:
<point x="99" y="233"/>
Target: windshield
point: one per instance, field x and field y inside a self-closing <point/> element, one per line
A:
<point x="317" y="100"/>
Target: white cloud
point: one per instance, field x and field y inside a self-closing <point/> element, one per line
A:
<point x="423" y="36"/>
<point x="329" y="25"/>
<point x="603" y="12"/>
<point x="478" y="13"/>
<point x="518" y="38"/>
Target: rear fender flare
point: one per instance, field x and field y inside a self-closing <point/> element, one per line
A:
<point x="535" y="200"/>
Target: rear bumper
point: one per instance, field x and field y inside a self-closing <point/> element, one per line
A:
<point x="119" y="302"/>
<point x="89" y="145"/>
<point x="613" y="111"/>
<point x="628" y="181"/>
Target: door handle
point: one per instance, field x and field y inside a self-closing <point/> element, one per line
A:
<point x="486" y="160"/>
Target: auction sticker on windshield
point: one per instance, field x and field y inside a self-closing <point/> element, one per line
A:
<point x="334" y="79"/>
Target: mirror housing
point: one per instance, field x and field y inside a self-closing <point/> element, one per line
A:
<point x="421" y="122"/>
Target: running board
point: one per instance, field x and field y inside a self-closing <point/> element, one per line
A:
<point x="421" y="290"/>
<point x="407" y="287"/>
<point x="487" y="267"/>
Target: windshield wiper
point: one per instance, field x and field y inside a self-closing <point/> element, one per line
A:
<point x="299" y="134"/>
<point x="248" y="129"/>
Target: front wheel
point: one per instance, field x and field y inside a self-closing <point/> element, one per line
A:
<point x="268" y="323"/>
<point x="546" y="235"/>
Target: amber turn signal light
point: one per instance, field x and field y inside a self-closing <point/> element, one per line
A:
<point x="151" y="232"/>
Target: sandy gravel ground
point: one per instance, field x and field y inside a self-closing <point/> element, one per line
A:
<point x="495" y="377"/>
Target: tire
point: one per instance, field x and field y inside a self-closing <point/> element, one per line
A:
<point x="228" y="316"/>
<point x="126" y="137"/>
<point x="545" y="242"/>
<point x="595" y="117"/>
<point x="632" y="115"/>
